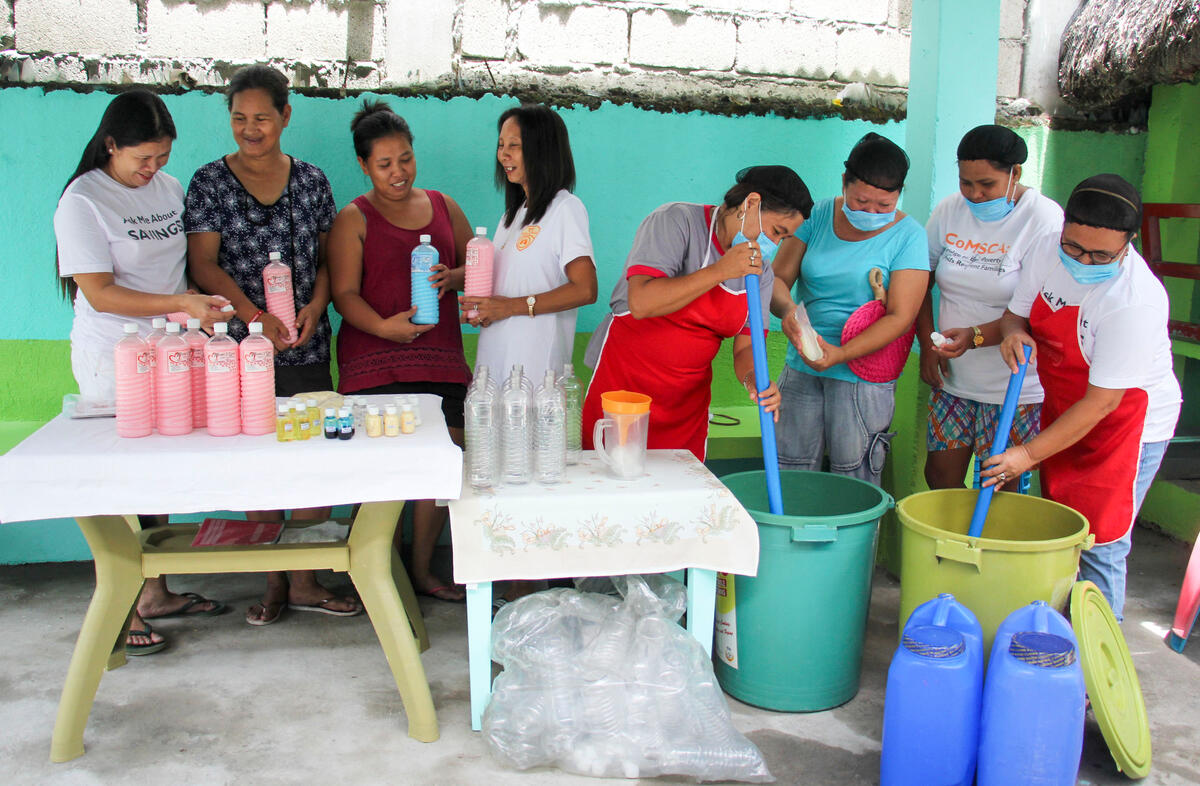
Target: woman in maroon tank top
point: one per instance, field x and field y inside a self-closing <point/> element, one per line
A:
<point x="379" y="350"/>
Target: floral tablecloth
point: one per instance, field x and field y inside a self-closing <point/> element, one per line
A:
<point x="677" y="515"/>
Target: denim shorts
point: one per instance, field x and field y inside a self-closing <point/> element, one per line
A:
<point x="849" y="419"/>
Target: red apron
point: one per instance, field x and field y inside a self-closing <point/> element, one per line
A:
<point x="669" y="358"/>
<point x="1096" y="475"/>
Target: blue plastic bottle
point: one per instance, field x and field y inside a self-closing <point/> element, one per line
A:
<point x="1031" y="731"/>
<point x="1037" y="616"/>
<point x="934" y="690"/>
<point x="424" y="294"/>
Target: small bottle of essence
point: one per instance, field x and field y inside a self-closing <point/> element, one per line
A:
<point x="345" y="423"/>
<point x="303" y="422"/>
<point x="391" y="421"/>
<point x="285" y="428"/>
<point x="408" y="421"/>
<point x="330" y="424"/>
<point x="374" y="422"/>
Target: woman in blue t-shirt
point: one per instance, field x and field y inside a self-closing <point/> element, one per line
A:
<point x="825" y="405"/>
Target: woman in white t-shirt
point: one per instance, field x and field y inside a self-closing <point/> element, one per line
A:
<point x="543" y="269"/>
<point x="979" y="240"/>
<point x="1096" y="318"/>
<point x="121" y="258"/>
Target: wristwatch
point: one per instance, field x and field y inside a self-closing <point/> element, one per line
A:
<point x="977" y="342"/>
<point x="530" y="301"/>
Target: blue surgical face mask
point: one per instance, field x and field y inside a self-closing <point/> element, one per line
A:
<point x="995" y="209"/>
<point x="766" y="246"/>
<point x="864" y="221"/>
<point x="1089" y="274"/>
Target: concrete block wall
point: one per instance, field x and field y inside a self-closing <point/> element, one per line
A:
<point x="790" y="56"/>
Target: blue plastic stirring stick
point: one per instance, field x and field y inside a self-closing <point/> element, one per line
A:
<point x="762" y="378"/>
<point x="999" y="444"/>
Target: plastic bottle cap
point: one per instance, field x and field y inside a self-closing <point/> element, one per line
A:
<point x="406" y="407"/>
<point x="274" y="256"/>
<point x="390" y="409"/>
<point x="130" y="327"/>
<point x="301" y="408"/>
<point x="256" y="328"/>
<point x="328" y="412"/>
<point x="173" y="327"/>
<point x="312" y="402"/>
<point x="481" y="231"/>
<point x="426" y="238"/>
<point x="193" y="324"/>
<point x="372" y="410"/>
<point x="159" y="323"/>
<point x="281" y="410"/>
<point x="344" y="412"/>
<point x="221" y="327"/>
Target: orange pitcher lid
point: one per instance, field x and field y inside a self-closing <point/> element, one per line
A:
<point x="624" y="402"/>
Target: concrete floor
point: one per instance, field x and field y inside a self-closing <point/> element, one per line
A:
<point x="311" y="699"/>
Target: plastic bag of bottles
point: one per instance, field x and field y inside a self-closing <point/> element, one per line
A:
<point x="604" y="686"/>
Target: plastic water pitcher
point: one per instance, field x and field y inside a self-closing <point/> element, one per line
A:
<point x="133" y="370"/>
<point x="1031" y="731"/>
<point x="221" y="383"/>
<point x="573" y="394"/>
<point x="478" y="274"/>
<point x="158" y="329"/>
<point x="1039" y="617"/>
<point x="173" y="384"/>
<point x="931" y="712"/>
<point x="279" y="294"/>
<point x="256" y="363"/>
<point x="196" y="341"/>
<point x="931" y="716"/>
<point x="424" y="294"/>
<point x="620" y="436"/>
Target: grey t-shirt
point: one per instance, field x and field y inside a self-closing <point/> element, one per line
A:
<point x="674" y="240"/>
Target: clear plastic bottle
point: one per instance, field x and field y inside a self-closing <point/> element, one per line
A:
<point x="196" y="341"/>
<point x="549" y="430"/>
<point x="173" y="384"/>
<point x="304" y="429"/>
<point x="358" y="406"/>
<point x="222" y="387"/>
<point x="516" y="405"/>
<point x="424" y="294"/>
<point x="277" y="289"/>
<point x="481" y="431"/>
<point x="573" y="396"/>
<point x="133" y="372"/>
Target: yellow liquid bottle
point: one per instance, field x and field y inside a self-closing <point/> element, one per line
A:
<point x="303" y="423"/>
<point x="285" y="427"/>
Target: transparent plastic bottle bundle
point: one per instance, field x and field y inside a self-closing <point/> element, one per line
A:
<point x="549" y="431"/>
<point x="482" y="432"/>
<point x="516" y="403"/>
<point x="573" y="395"/>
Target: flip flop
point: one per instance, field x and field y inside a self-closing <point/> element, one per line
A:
<point x="271" y="619"/>
<point x="432" y="592"/>
<point x="194" y="599"/>
<point x="143" y="649"/>
<point x="321" y="608"/>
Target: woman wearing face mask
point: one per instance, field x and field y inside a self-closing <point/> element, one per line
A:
<point x="682" y="293"/>
<point x="979" y="240"/>
<point x="543" y="269"/>
<point x="116" y="271"/>
<point x="825" y="404"/>
<point x="1096" y="318"/>
<point x="379" y="350"/>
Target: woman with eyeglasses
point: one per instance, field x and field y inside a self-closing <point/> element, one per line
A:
<point x="240" y="208"/>
<point x="979" y="240"/>
<point x="1095" y="318"/>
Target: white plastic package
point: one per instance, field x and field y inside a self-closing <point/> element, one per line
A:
<point x="601" y="686"/>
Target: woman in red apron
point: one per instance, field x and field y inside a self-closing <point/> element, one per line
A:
<point x="1095" y="317"/>
<point x="683" y="292"/>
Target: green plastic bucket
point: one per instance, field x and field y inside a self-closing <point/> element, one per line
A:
<point x="1030" y="552"/>
<point x="791" y="639"/>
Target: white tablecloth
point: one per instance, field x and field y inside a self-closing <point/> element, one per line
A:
<point x="677" y="515"/>
<point x="72" y="468"/>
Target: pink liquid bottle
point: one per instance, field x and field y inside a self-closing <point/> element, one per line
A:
<point x="257" y="361"/>
<point x="131" y="364"/>
<point x="196" y="340"/>
<point x="173" y="386"/>
<point x="478" y="275"/>
<point x="221" y="383"/>
<point x="159" y="325"/>
<point x="277" y="286"/>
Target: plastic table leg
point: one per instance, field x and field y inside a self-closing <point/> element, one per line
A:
<point x="371" y="570"/>
<point x="101" y="643"/>
<point x="479" y="648"/>
<point x="702" y="606"/>
<point x="409" y="598"/>
<point x="1189" y="603"/>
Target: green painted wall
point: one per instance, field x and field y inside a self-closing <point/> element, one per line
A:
<point x="629" y="161"/>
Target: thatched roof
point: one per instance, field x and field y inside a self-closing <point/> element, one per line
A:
<point x="1115" y="49"/>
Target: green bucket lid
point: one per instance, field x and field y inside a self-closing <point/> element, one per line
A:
<point x="1112" y="681"/>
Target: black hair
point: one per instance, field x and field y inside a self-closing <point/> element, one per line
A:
<point x="376" y="120"/>
<point x="546" y="153"/>
<point x="1105" y="201"/>
<point x="1001" y="147"/>
<point x="781" y="189"/>
<point x="259" y="77"/>
<point x="132" y="118"/>
<point x="878" y="162"/>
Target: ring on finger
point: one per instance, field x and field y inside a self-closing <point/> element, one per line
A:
<point x="1002" y="477"/>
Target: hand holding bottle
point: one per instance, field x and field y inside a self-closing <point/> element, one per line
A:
<point x="399" y="328"/>
<point x="307" y="320"/>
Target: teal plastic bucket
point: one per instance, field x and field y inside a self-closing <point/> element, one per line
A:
<point x="791" y="638"/>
